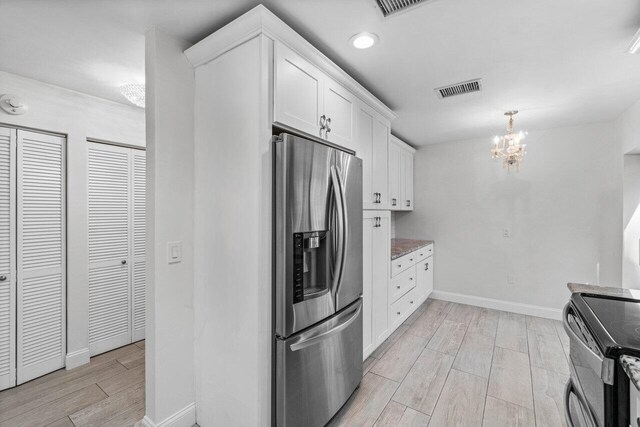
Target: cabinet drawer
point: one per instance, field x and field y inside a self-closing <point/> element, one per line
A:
<point x="400" y="309"/>
<point x="402" y="263"/>
<point x="423" y="253"/>
<point x="402" y="283"/>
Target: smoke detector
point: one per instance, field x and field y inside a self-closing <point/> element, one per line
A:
<point x="12" y="104"/>
<point x="459" y="88"/>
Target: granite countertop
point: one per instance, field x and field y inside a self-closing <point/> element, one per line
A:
<point x="401" y="247"/>
<point x="604" y="290"/>
<point x="631" y="366"/>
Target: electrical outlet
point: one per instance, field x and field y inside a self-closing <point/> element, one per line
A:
<point x="512" y="279"/>
<point x="506" y="232"/>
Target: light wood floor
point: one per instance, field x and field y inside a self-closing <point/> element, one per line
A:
<point x="447" y="365"/>
<point x="109" y="391"/>
<point x="454" y="365"/>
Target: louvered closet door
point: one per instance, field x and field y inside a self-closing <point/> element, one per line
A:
<point x="109" y="194"/>
<point x="138" y="242"/>
<point x="40" y="254"/>
<point x="7" y="258"/>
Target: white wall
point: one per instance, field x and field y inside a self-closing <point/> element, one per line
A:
<point x="233" y="237"/>
<point x="628" y="128"/>
<point x="170" y="389"/>
<point x="563" y="210"/>
<point x="79" y="116"/>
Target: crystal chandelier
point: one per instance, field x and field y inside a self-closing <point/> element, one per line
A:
<point x="509" y="147"/>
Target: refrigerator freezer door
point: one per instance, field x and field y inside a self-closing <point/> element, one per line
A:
<point x="318" y="263"/>
<point x="349" y="287"/>
<point x="319" y="369"/>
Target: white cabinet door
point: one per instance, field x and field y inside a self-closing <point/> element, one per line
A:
<point x="41" y="252"/>
<point x="407" y="180"/>
<point x="424" y="278"/>
<point x="381" y="256"/>
<point x="380" y="152"/>
<point x="340" y="111"/>
<point x="7" y="258"/>
<point x="364" y="150"/>
<point x="298" y="92"/>
<point x="138" y="242"/>
<point x="109" y="198"/>
<point x="368" y="229"/>
<point x="395" y="185"/>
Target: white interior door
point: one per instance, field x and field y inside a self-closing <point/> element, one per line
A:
<point x="41" y="254"/>
<point x="138" y="242"/>
<point x="7" y="258"/>
<point x="109" y="198"/>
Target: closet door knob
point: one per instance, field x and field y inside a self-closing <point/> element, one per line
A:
<point x="123" y="262"/>
<point x="3" y="278"/>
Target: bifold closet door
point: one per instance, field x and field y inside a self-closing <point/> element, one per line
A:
<point x="116" y="196"/>
<point x="7" y="258"/>
<point x="41" y="253"/>
<point x="138" y="240"/>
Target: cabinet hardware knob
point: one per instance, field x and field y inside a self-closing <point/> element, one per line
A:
<point x="323" y="120"/>
<point x="410" y="259"/>
<point x="399" y="265"/>
<point x="398" y="313"/>
<point x="3" y="278"/>
<point x="327" y="123"/>
<point x="408" y="203"/>
<point x="123" y="262"/>
<point x="411" y="302"/>
<point x="426" y="266"/>
<point x="394" y="202"/>
<point x="410" y="278"/>
<point x="398" y="287"/>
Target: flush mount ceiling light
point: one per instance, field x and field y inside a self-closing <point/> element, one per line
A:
<point x="134" y="92"/>
<point x="635" y="43"/>
<point x="509" y="147"/>
<point x="364" y="40"/>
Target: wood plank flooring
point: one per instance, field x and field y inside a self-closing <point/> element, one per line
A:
<point x="448" y="365"/>
<point x="108" y="391"/>
<point x="455" y="365"/>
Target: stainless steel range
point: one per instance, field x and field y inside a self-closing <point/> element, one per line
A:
<point x="318" y="283"/>
<point x="601" y="329"/>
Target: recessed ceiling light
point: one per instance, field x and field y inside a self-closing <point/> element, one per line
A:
<point x="364" y="40"/>
<point x="635" y="43"/>
<point x="134" y="92"/>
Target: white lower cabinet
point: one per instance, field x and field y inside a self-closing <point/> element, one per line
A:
<point x="376" y="247"/>
<point x="392" y="291"/>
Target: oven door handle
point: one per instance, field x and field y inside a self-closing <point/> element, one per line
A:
<point x="568" y="390"/>
<point x="602" y="365"/>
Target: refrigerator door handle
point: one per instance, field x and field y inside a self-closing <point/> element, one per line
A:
<point x="314" y="338"/>
<point x="340" y="253"/>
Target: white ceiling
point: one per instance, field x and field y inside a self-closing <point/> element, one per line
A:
<point x="560" y="63"/>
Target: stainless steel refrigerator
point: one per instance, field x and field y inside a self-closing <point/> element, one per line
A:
<point x="318" y="280"/>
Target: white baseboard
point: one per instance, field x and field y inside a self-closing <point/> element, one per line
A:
<point x="514" y="307"/>
<point x="77" y="358"/>
<point x="185" y="417"/>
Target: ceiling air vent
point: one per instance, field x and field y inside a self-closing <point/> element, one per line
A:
<point x="459" y="88"/>
<point x="389" y="7"/>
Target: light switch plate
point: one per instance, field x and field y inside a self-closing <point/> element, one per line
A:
<point x="174" y="252"/>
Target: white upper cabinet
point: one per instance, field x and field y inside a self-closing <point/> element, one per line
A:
<point x="339" y="109"/>
<point x="308" y="100"/>
<point x="400" y="175"/>
<point x="298" y="94"/>
<point x="372" y="147"/>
